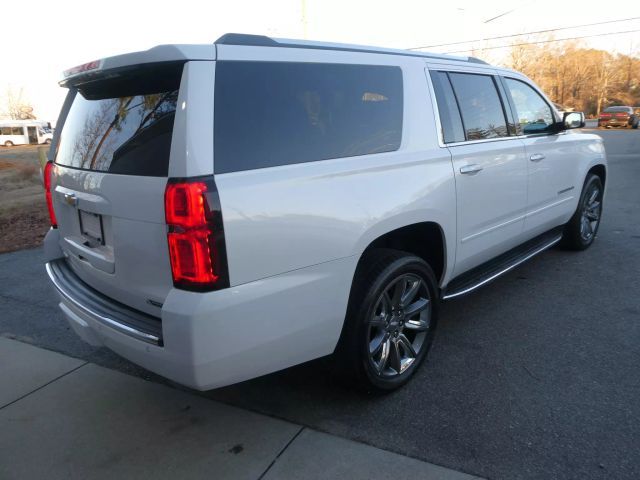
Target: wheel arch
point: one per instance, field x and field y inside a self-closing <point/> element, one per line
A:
<point x="426" y="240"/>
<point x="601" y="171"/>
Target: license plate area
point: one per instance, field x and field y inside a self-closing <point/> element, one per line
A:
<point x="91" y="227"/>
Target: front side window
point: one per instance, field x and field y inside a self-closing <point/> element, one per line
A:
<point x="534" y="114"/>
<point x="281" y="113"/>
<point x="480" y="106"/>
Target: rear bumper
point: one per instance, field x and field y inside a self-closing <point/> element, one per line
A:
<point x="613" y="123"/>
<point x="208" y="340"/>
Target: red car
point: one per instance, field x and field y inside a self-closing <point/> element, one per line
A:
<point x="626" y="117"/>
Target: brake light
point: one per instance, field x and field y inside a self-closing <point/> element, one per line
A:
<point x="47" y="173"/>
<point x="622" y="114"/>
<point x="605" y="115"/>
<point x="195" y="235"/>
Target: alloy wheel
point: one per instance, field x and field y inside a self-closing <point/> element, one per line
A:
<point x="399" y="325"/>
<point x="591" y="210"/>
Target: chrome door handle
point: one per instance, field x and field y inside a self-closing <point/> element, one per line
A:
<point x="470" y="169"/>
<point x="536" y="157"/>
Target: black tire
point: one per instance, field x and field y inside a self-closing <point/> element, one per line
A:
<point x="8" y="143"/>
<point x="576" y="234"/>
<point x="379" y="271"/>
<point x="47" y="141"/>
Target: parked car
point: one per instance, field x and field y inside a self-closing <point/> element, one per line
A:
<point x="627" y="117"/>
<point x="220" y="212"/>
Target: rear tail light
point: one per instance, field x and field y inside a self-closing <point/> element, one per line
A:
<point x="605" y="115"/>
<point x="622" y="114"/>
<point x="48" y="172"/>
<point x="195" y="235"/>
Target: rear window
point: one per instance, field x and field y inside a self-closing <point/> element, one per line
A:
<point x="617" y="109"/>
<point x="128" y="133"/>
<point x="482" y="113"/>
<point x="276" y="113"/>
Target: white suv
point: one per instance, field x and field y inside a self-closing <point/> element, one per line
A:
<point x="224" y="211"/>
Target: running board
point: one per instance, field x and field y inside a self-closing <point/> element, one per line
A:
<point x="489" y="271"/>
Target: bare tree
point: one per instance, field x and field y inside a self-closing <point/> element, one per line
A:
<point x="15" y="105"/>
<point x="583" y="78"/>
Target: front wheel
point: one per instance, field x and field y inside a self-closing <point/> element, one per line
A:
<point x="580" y="232"/>
<point x="390" y="322"/>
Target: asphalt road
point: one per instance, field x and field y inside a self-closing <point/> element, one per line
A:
<point x="534" y="376"/>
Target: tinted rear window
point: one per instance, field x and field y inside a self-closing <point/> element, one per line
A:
<point x="481" y="107"/>
<point x="275" y="113"/>
<point x="618" y="109"/>
<point x="125" y="134"/>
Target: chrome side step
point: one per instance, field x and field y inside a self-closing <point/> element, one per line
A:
<point x="489" y="271"/>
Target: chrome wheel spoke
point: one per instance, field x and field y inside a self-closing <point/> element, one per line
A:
<point x="410" y="293"/>
<point x="376" y="344"/>
<point x="398" y="292"/>
<point x="384" y="356"/>
<point x="395" y="359"/>
<point x="593" y="196"/>
<point x="416" y="307"/>
<point x="407" y="346"/>
<point x="416" y="325"/>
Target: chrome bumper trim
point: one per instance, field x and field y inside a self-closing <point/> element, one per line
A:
<point x="110" y="322"/>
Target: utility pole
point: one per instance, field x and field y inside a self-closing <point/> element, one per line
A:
<point x="304" y="19"/>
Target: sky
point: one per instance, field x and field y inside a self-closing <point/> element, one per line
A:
<point x="57" y="35"/>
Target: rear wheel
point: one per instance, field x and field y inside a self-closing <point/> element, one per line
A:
<point x="390" y="322"/>
<point x="8" y="143"/>
<point x="47" y="141"/>
<point x="580" y="232"/>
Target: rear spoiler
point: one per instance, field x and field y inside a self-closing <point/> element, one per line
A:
<point x="157" y="55"/>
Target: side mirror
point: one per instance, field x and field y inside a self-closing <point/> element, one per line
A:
<point x="573" y="120"/>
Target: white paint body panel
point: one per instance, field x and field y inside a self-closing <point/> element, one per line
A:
<point x="294" y="233"/>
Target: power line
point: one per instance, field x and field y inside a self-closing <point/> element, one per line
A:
<point x="508" y="11"/>
<point x="548" y="41"/>
<point x="527" y="33"/>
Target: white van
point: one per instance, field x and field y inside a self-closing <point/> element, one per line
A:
<point x="224" y="211"/>
<point x="24" y="132"/>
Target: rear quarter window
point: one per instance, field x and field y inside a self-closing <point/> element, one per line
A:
<point x="280" y="113"/>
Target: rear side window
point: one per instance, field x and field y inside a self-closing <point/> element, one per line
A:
<point x="17" y="131"/>
<point x="480" y="105"/>
<point x="277" y="113"/>
<point x="452" y="129"/>
<point x="123" y="124"/>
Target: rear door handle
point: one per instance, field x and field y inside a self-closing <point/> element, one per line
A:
<point x="536" y="157"/>
<point x="470" y="169"/>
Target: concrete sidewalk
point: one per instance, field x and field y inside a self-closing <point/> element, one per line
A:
<point x="65" y="418"/>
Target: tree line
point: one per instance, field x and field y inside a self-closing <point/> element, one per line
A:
<point x="585" y="79"/>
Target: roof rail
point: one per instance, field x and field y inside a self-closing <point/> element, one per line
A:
<point x="264" y="41"/>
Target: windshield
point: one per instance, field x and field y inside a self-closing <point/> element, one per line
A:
<point x="127" y="135"/>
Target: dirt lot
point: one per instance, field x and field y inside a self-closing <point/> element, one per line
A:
<point x="23" y="212"/>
